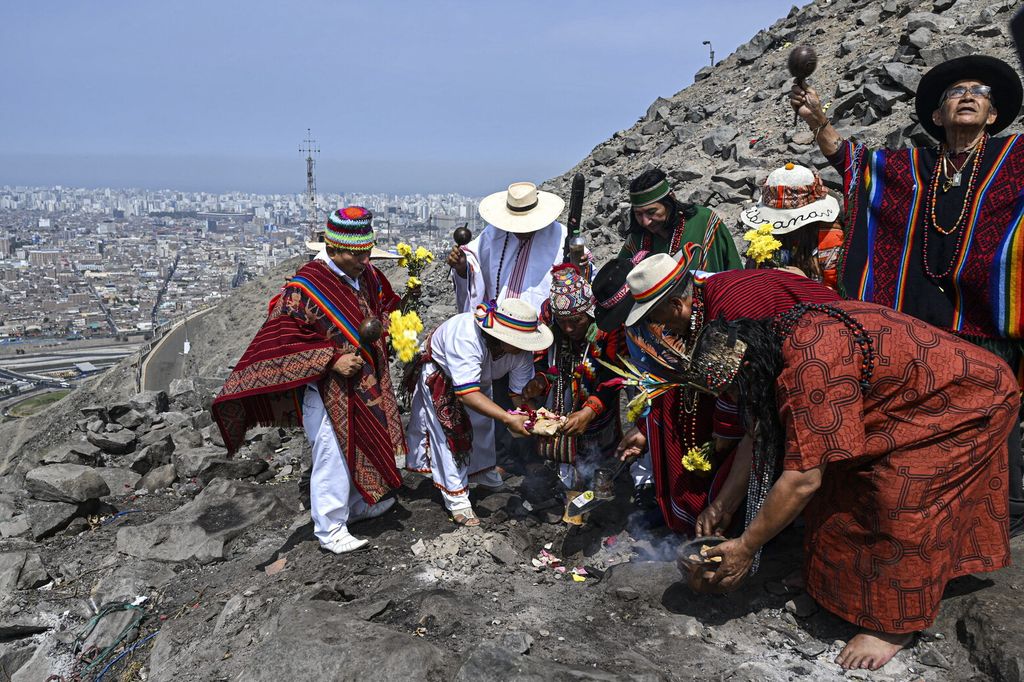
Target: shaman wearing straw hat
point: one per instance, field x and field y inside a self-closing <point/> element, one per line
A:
<point x="938" y="232"/>
<point x="315" y="350"/>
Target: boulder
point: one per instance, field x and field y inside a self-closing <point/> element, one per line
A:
<point x="187" y="438"/>
<point x="718" y="140"/>
<point x="932" y="22"/>
<point x="921" y="38"/>
<point x="15" y="527"/>
<point x="756" y="47"/>
<point x="82" y="452"/>
<point x="132" y="419"/>
<point x="501" y="664"/>
<point x="222" y="467"/>
<point x="116" y="443"/>
<point x="150" y="401"/>
<point x="120" y="480"/>
<point x="903" y="75"/>
<point x="933" y="56"/>
<point x="302" y="642"/>
<point x="189" y="462"/>
<point x="203" y="528"/>
<point x="47" y="518"/>
<point x="21" y="571"/>
<point x="151" y="456"/>
<point x="71" y="483"/>
<point x="157" y="479"/>
<point x="882" y="98"/>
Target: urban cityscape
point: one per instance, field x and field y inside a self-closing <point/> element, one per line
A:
<point x="107" y="268"/>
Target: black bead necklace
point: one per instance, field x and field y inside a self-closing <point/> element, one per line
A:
<point x="783" y="325"/>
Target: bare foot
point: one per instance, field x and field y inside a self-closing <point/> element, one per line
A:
<point x="871" y="649"/>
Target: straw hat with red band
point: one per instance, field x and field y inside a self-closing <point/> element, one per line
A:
<point x="658" y="275"/>
<point x="515" y="322"/>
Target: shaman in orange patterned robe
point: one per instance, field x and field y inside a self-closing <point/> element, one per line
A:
<point x="915" y="489"/>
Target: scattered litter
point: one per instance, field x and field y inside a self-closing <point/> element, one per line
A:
<point x="420" y="632"/>
<point x="276" y="567"/>
<point x="419" y="547"/>
<point x="527" y="506"/>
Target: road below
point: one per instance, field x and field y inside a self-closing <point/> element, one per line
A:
<point x="164" y="363"/>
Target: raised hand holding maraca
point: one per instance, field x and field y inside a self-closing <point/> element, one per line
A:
<point x="457" y="257"/>
<point x="805" y="102"/>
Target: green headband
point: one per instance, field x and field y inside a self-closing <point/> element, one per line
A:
<point x="649" y="196"/>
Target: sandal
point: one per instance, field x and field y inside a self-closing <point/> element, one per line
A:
<point x="466" y="517"/>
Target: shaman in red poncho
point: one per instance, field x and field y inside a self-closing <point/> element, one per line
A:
<point x="311" y="323"/>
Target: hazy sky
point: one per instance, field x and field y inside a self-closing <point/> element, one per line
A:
<point x="403" y="96"/>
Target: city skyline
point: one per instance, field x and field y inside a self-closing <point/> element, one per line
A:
<point x="402" y="97"/>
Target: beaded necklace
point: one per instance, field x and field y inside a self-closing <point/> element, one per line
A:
<point x="675" y="241"/>
<point x="783" y="325"/>
<point x="501" y="262"/>
<point x="933" y="192"/>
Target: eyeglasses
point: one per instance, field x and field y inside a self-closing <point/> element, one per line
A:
<point x="961" y="90"/>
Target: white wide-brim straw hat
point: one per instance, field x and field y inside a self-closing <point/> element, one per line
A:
<point x="655" y="276"/>
<point x="791" y="197"/>
<point x="515" y="322"/>
<point x="521" y="208"/>
<point x="376" y="253"/>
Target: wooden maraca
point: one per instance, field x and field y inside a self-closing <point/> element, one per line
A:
<point x="370" y="331"/>
<point x="802" y="62"/>
<point x="462" y="235"/>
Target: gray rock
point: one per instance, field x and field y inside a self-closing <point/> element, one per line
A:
<point x="634" y="144"/>
<point x="903" y="75"/>
<point x="15" y="527"/>
<point x="47" y="518"/>
<point x="869" y="17"/>
<point x="811" y="649"/>
<point x="502" y="552"/>
<point x="154" y="435"/>
<point x="939" y="6"/>
<point x="132" y="419"/>
<point x="756" y="47"/>
<point x="933" y="56"/>
<point x="120" y="480"/>
<point x="94" y="412"/>
<point x="223" y="467"/>
<point x="187" y="438"/>
<point x="150" y="401"/>
<point x="921" y="38"/>
<point x="703" y="73"/>
<point x="882" y="98"/>
<point x="21" y="571"/>
<point x="302" y="642"/>
<point x="152" y="456"/>
<point x="658" y="110"/>
<point x="932" y="22"/>
<point x="67" y="454"/>
<point x="605" y="156"/>
<point x="117" y="443"/>
<point x="930" y="656"/>
<point x="498" y="664"/>
<point x="718" y="140"/>
<point x="157" y="479"/>
<point x="71" y="483"/>
<point x="14" y="659"/>
<point x="190" y="462"/>
<point x="203" y="528"/>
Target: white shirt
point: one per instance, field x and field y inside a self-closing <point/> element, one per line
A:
<point x="459" y="349"/>
<point x="322" y="256"/>
<point x="523" y="266"/>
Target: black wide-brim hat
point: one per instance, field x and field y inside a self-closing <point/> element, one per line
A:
<point x="612" y="300"/>
<point x="995" y="73"/>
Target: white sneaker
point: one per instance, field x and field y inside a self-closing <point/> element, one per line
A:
<point x="342" y="541"/>
<point x="373" y="511"/>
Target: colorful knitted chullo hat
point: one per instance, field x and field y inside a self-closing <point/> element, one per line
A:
<point x="570" y="292"/>
<point x="350" y="228"/>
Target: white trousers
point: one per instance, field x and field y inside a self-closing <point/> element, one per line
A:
<point x="428" y="447"/>
<point x="642" y="470"/>
<point x="332" y="497"/>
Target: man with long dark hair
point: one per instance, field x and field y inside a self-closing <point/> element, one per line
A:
<point x="890" y="435"/>
<point x="659" y="223"/>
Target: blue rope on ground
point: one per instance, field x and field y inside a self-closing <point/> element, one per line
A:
<point x="120" y="514"/>
<point x="124" y="653"/>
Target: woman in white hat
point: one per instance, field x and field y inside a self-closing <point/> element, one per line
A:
<point x="459" y="361"/>
<point x="803" y="219"/>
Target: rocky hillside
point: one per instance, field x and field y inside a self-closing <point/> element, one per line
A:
<point x="132" y="547"/>
<point x="718" y="138"/>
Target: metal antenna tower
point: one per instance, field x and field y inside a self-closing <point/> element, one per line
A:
<point x="310" y="149"/>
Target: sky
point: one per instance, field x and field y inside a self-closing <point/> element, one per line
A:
<point x="402" y="96"/>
